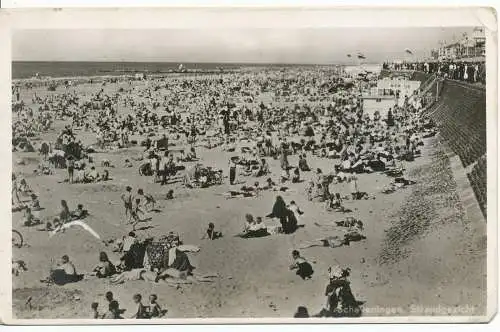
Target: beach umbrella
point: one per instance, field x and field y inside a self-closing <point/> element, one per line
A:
<point x="361" y="56"/>
<point x="407" y="50"/>
<point x="348" y="55"/>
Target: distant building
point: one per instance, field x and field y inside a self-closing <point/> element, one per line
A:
<point x="469" y="47"/>
<point x="435" y="54"/>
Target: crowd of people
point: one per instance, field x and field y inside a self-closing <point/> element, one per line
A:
<point x="310" y="114"/>
<point x="459" y="70"/>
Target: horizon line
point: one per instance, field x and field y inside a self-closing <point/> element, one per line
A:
<point x="209" y="62"/>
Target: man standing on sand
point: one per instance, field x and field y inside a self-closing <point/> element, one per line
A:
<point x="127" y="201"/>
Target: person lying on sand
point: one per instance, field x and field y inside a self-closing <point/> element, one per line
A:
<point x="133" y="274"/>
<point x="335" y="241"/>
<point x="351" y="223"/>
<point x="246" y="191"/>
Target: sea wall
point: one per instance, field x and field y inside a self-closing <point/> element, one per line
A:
<point x="460" y="114"/>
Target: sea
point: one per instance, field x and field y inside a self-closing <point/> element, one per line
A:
<point x="29" y="69"/>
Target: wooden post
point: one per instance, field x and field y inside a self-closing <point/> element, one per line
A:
<point x="437" y="89"/>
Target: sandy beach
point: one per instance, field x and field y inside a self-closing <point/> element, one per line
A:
<point x="437" y="259"/>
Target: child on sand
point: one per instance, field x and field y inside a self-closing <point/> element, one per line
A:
<point x="127" y="202"/>
<point x="140" y="312"/>
<point x="154" y="309"/>
<point x="79" y="213"/>
<point x="170" y="194"/>
<point x="113" y="311"/>
<point x="35" y="203"/>
<point x="95" y="313"/>
<point x="135" y="213"/>
<point x="211" y="234"/>
<point x="303" y="267"/>
<point x="147" y="199"/>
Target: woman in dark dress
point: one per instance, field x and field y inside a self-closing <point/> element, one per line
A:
<point x="280" y="211"/>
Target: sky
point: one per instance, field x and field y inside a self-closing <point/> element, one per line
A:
<point x="322" y="46"/>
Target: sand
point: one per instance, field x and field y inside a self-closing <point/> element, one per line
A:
<point x="444" y="264"/>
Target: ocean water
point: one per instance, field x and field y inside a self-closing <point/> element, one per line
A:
<point x="28" y="69"/>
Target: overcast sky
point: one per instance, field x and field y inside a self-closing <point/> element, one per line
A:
<point x="329" y="45"/>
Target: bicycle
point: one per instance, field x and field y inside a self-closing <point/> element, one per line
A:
<point x="17" y="239"/>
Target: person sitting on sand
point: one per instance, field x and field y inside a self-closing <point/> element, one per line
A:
<point x="35" y="203"/>
<point x="63" y="273"/>
<point x="303" y="166"/>
<point x="105" y="268"/>
<point x="140" y="312"/>
<point x="270" y="184"/>
<point x="301" y="313"/>
<point x="104" y="176"/>
<point x="263" y="168"/>
<point x="287" y="219"/>
<point x="170" y="194"/>
<point x="253" y="229"/>
<point x="210" y="233"/>
<point x="127" y="164"/>
<point x="191" y="155"/>
<point x="335" y="203"/>
<point x="29" y="219"/>
<point x="295" y="210"/>
<point x="24" y="188"/>
<point x="154" y="310"/>
<point x="176" y="261"/>
<point x="113" y="311"/>
<point x="92" y="176"/>
<point x="249" y="221"/>
<point x="64" y="215"/>
<point x="79" y="213"/>
<point x="303" y="267"/>
<point x="147" y="200"/>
